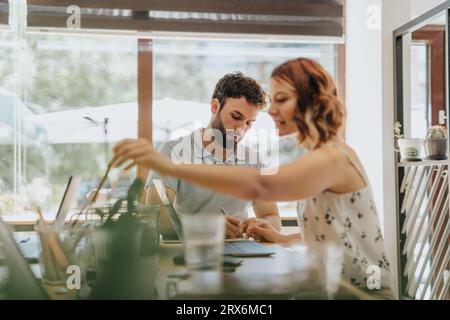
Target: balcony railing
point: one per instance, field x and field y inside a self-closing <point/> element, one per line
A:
<point x="424" y="229"/>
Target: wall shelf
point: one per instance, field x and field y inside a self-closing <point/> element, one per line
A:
<point x="404" y="164"/>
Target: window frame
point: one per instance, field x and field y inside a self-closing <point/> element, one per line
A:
<point x="145" y="68"/>
<point x="146" y="106"/>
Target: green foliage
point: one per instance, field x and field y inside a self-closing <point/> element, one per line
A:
<point x="133" y="194"/>
<point x="66" y="77"/>
<point x="398" y="130"/>
<point x="114" y="210"/>
<point x="128" y="241"/>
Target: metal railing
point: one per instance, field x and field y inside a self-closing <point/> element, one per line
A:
<point x="425" y="230"/>
<point x="422" y="188"/>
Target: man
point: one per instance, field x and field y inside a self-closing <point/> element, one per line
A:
<point x="235" y="104"/>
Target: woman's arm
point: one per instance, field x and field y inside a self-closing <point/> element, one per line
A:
<point x="262" y="230"/>
<point x="302" y="178"/>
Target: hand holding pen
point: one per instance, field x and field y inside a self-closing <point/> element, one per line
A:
<point x="231" y="225"/>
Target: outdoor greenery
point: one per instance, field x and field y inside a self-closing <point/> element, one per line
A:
<point x="59" y="75"/>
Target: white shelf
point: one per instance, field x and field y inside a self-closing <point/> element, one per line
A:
<point x="423" y="163"/>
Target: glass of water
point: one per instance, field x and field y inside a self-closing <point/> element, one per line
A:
<point x="203" y="236"/>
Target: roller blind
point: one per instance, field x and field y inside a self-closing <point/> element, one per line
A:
<point x="283" y="17"/>
<point x="4" y="9"/>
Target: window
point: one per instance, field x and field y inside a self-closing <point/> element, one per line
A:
<point x="79" y="97"/>
<point x="7" y="123"/>
<point x="71" y="95"/>
<point x="186" y="72"/>
<point x="73" y="83"/>
<point x="420" y="107"/>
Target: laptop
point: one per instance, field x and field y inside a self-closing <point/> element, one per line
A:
<point x="29" y="242"/>
<point x="22" y="283"/>
<point x="241" y="248"/>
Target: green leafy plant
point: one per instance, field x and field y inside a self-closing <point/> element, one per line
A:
<point x="398" y="130"/>
<point x="133" y="195"/>
<point x="123" y="240"/>
<point x="397" y="133"/>
<point x="436" y="132"/>
<point x="436" y="143"/>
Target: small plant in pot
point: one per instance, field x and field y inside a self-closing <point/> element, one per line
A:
<point x="119" y="242"/>
<point x="436" y="143"/>
<point x="410" y="149"/>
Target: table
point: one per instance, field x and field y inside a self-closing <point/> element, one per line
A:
<point x="288" y="274"/>
<point x="284" y="275"/>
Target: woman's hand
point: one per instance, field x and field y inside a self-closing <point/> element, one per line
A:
<point x="261" y="230"/>
<point x="141" y="152"/>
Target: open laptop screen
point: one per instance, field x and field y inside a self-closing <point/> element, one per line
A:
<point x="162" y="194"/>
<point x="67" y="199"/>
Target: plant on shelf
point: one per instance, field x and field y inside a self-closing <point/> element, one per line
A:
<point x="398" y="130"/>
<point x="436" y="143"/>
<point x="397" y="134"/>
<point x="409" y="148"/>
<point x="436" y="132"/>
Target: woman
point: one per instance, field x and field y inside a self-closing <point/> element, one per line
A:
<point x="337" y="206"/>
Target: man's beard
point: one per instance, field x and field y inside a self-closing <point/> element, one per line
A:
<point x="227" y="142"/>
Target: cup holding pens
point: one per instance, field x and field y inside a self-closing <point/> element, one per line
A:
<point x="55" y="261"/>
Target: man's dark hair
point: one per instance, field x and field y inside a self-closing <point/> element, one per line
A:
<point x="236" y="85"/>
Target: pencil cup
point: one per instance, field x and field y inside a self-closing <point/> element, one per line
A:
<point x="57" y="262"/>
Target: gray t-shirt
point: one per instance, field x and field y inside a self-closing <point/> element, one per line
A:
<point x="195" y="199"/>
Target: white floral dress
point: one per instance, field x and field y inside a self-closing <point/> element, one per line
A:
<point x="349" y="221"/>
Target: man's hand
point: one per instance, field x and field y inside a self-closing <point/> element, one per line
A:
<point x="232" y="227"/>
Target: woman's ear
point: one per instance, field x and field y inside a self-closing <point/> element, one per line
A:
<point x="215" y="106"/>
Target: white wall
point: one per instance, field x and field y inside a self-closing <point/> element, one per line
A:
<point x="421" y="6"/>
<point x="363" y="96"/>
<point x="369" y="83"/>
<point x="368" y="106"/>
<point x="370" y="99"/>
<point x="395" y="13"/>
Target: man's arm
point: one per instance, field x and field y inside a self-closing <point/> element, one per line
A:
<point x="165" y="225"/>
<point x="268" y="211"/>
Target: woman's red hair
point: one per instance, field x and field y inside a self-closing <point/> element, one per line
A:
<point x="320" y="113"/>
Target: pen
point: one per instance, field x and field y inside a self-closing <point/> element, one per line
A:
<point x="223" y="211"/>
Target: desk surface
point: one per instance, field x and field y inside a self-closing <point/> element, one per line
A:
<point x="262" y="277"/>
<point x="285" y="275"/>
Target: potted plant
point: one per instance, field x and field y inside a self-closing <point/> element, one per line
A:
<point x="120" y="244"/>
<point x="436" y="143"/>
<point x="410" y="149"/>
